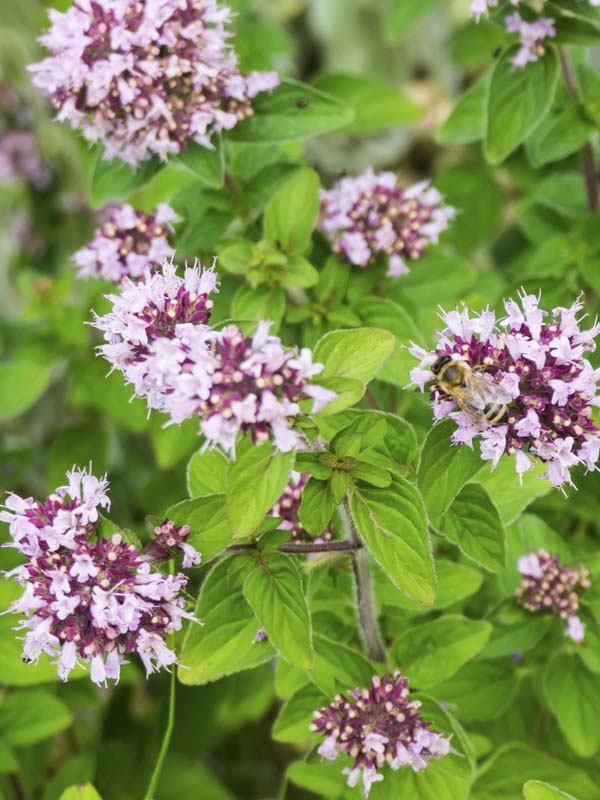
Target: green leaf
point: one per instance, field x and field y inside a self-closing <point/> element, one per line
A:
<point x="376" y="105"/>
<point x="564" y="130"/>
<point x="369" y="473"/>
<point x="518" y="100"/>
<point x="382" y="313"/>
<point x="323" y="778"/>
<point x="291" y="112"/>
<point x="358" y="354"/>
<point x="115" y="180"/>
<point x="264" y="302"/>
<point x="336" y="663"/>
<point x="172" y="443"/>
<point x="393" y="525"/>
<point x="292" y="212"/>
<point x="21" y="386"/>
<point x="296" y="714"/>
<point x="479" y="691"/>
<point x="274" y="590"/>
<point x="402" y="16"/>
<point x="83" y="791"/>
<point x="207" y="165"/>
<point x="316" y="506"/>
<point x="467" y="119"/>
<point x="8" y="760"/>
<point x="349" y="391"/>
<point x="574" y="697"/>
<point x="516" y="639"/>
<point x="473" y="524"/>
<point x="32" y="715"/>
<point x="300" y="272"/>
<point x="206" y="473"/>
<point x="254" y="481"/>
<point x="225" y="643"/>
<point x="444" y="468"/>
<point x="503" y="775"/>
<point x="538" y="790"/>
<point x="434" y="651"/>
<point x="207" y="519"/>
<point x="236" y="256"/>
<point x="455" y="582"/>
<point x="511" y="497"/>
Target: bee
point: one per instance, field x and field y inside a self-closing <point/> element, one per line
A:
<point x="479" y="399"/>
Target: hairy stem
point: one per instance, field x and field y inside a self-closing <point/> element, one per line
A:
<point x="364" y="593"/>
<point x="587" y="152"/>
<point x="17" y="786"/>
<point x="343" y="546"/>
<point x="166" y="741"/>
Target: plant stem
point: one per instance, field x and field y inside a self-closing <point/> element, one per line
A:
<point x="587" y="152"/>
<point x="164" y="748"/>
<point x="343" y="546"/>
<point x="18" y="788"/>
<point x="364" y="593"/>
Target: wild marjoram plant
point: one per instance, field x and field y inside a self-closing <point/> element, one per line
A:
<point x="353" y="540"/>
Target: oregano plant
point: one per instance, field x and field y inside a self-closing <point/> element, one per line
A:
<point x="298" y="381"/>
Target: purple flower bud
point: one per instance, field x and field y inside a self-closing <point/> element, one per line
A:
<point x="169" y="541"/>
<point x="288" y="509"/>
<point x="376" y="726"/>
<point x="144" y="78"/>
<point x="550" y="588"/>
<point x="127" y="244"/>
<point x="537" y="366"/>
<point x="531" y="37"/>
<point x="88" y="600"/>
<point x="370" y="216"/>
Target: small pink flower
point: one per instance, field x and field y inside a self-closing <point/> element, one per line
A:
<point x="370" y="216"/>
<point x="531" y="37"/>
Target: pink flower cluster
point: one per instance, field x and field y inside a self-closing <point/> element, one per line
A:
<point x="550" y="588"/>
<point x="86" y="598"/>
<point x="371" y="216"/>
<point x="376" y="726"/>
<point x="538" y="363"/>
<point x="288" y="509"/>
<point x="21" y="160"/>
<point x="144" y="77"/>
<point x="531" y="37"/>
<point x="168" y="541"/>
<point x="158" y="338"/>
<point x="127" y="243"/>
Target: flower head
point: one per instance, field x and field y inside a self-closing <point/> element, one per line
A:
<point x="531" y="37"/>
<point x="127" y="244"/>
<point x="550" y="588"/>
<point x="376" y="726"/>
<point x="144" y="77"/>
<point x="288" y="508"/>
<point x="535" y="360"/>
<point x="370" y="216"/>
<point x="87" y="598"/>
<point x="158" y="338"/>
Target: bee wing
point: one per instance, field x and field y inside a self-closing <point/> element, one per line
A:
<point x="477" y="394"/>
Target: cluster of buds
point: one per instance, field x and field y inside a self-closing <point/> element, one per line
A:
<point x="377" y="726"/>
<point x="538" y="365"/>
<point x="549" y="588"/>
<point x="288" y="509"/>
<point x="371" y="216"/>
<point x="144" y="78"/>
<point x="127" y="243"/>
<point x="169" y="541"/>
<point x="158" y="337"/>
<point x="88" y="599"/>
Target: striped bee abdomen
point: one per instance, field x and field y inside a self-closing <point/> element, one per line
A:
<point x="495" y="412"/>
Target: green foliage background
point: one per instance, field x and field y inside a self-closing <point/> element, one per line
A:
<point x="411" y="86"/>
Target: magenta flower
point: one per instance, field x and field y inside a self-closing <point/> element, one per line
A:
<point x="88" y="599"/>
<point x="127" y="243"/>
<point x="168" y="541"/>
<point x="370" y="216"/>
<point x="288" y="509"/>
<point x="539" y="365"/>
<point x="531" y="37"/>
<point x="158" y="338"/>
<point x="145" y="77"/>
<point x="376" y="726"/>
<point x="549" y="588"/>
